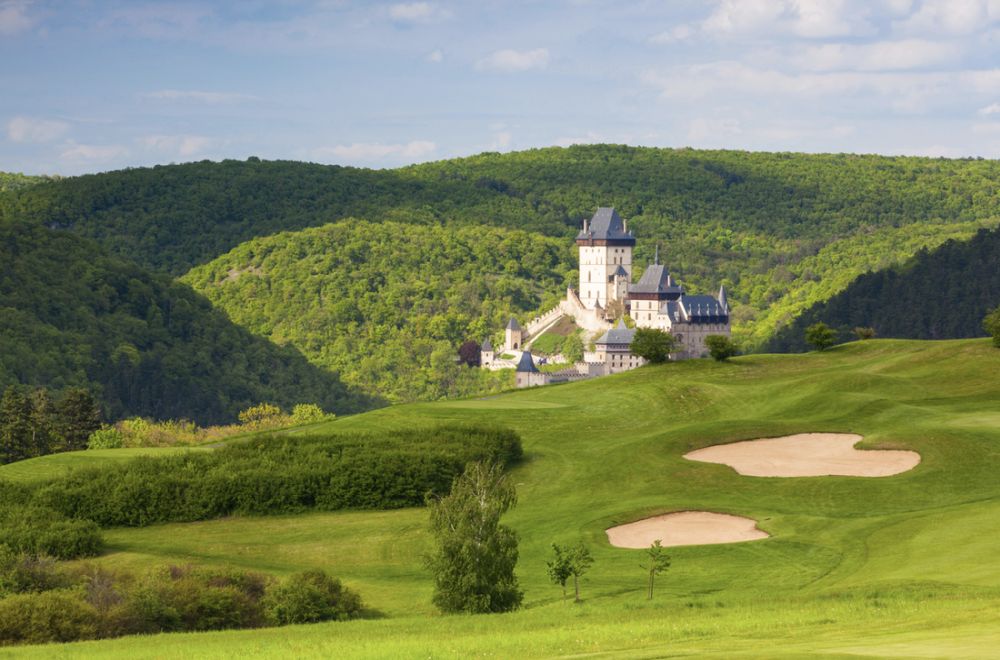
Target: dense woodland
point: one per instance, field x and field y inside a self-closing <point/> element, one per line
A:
<point x="387" y="305"/>
<point x="743" y="219"/>
<point x="381" y="275"/>
<point x="935" y="295"/>
<point x="73" y="316"/>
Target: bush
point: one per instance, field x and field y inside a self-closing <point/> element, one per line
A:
<point x="308" y="413"/>
<point x="261" y="416"/>
<point x="23" y="573"/>
<point x="268" y="475"/>
<point x="38" y="530"/>
<point x="50" y="616"/>
<point x="720" y="347"/>
<point x="107" y="437"/>
<point x="310" y="597"/>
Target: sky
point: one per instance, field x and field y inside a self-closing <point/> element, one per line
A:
<point x="91" y="85"/>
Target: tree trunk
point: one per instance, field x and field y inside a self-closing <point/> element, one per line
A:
<point x="650" y="594"/>
<point x="576" y="586"/>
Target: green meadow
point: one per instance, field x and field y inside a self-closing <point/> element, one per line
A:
<point x="902" y="566"/>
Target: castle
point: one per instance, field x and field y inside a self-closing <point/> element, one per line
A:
<point x="606" y="293"/>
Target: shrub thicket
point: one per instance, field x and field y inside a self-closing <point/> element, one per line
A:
<point x="279" y="474"/>
<point x="90" y="602"/>
<point x="310" y="597"/>
<point x="26" y="527"/>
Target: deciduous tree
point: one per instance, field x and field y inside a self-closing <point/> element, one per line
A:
<point x="473" y="564"/>
<point x="653" y="344"/>
<point x="569" y="562"/>
<point x="991" y="324"/>
<point x="820" y="336"/>
<point x="657" y="561"/>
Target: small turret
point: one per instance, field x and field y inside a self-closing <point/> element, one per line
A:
<point x="513" y="336"/>
<point x="723" y="302"/>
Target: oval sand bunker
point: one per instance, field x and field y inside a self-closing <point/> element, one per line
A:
<point x="685" y="528"/>
<point x="808" y="455"/>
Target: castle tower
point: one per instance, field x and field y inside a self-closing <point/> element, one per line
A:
<point x="513" y="336"/>
<point x="605" y="258"/>
<point x="486" y="353"/>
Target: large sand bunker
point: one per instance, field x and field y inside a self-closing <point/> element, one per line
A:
<point x="807" y="455"/>
<point x="685" y="528"/>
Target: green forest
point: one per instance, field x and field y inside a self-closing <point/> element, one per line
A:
<point x="940" y="294"/>
<point x="386" y="305"/>
<point x="377" y="276"/>
<point x="73" y="316"/>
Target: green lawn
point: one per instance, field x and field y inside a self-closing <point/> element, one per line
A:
<point x="900" y="566"/>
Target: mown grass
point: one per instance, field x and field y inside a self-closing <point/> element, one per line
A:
<point x="855" y="566"/>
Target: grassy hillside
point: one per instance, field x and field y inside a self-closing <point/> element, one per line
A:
<point x="781" y="230"/>
<point x="944" y="293"/>
<point x="896" y="566"/>
<point x="387" y="304"/>
<point x="71" y="315"/>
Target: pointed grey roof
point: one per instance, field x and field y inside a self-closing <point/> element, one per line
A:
<point x="512" y="324"/>
<point x="620" y="271"/>
<point x="656" y="279"/>
<point x="487" y="345"/>
<point x="704" y="309"/>
<point x="722" y="298"/>
<point x="607" y="225"/>
<point x="620" y="334"/>
<point x="526" y="363"/>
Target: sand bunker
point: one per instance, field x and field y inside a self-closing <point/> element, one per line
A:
<point x="807" y="455"/>
<point x="685" y="528"/>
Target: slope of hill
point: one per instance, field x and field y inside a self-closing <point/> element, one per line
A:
<point x="748" y="220"/>
<point x="387" y="304"/>
<point x="15" y="181"/>
<point x="72" y="315"/>
<point x="940" y="294"/>
<point x="897" y="566"/>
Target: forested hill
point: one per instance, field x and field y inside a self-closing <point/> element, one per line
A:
<point x="935" y="295"/>
<point x="387" y="304"/>
<point x="174" y="217"/>
<point x="15" y="181"/>
<point x="72" y="315"/>
<point x="782" y="231"/>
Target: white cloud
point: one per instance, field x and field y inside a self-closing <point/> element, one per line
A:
<point x="416" y="12"/>
<point x="435" y="56"/>
<point x="677" y="33"/>
<point x="92" y="153"/>
<point x="878" y="56"/>
<point x="30" y="129"/>
<point x="954" y="17"/>
<point x="509" y="61"/>
<point x="801" y="18"/>
<point x="376" y="151"/>
<point x="702" y="130"/>
<point x="590" y="138"/>
<point x="905" y="91"/>
<point x="198" y="96"/>
<point x="501" y="141"/>
<point x="14" y="16"/>
<point x="180" y="145"/>
<point x="991" y="109"/>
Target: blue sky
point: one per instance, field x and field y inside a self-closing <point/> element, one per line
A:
<point x="91" y="86"/>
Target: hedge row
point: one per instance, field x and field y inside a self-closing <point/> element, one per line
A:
<point x="277" y="475"/>
<point x="55" y="604"/>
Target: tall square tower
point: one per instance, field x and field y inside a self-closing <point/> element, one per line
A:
<point x="605" y="259"/>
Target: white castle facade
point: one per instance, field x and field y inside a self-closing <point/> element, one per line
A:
<point x="606" y="292"/>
